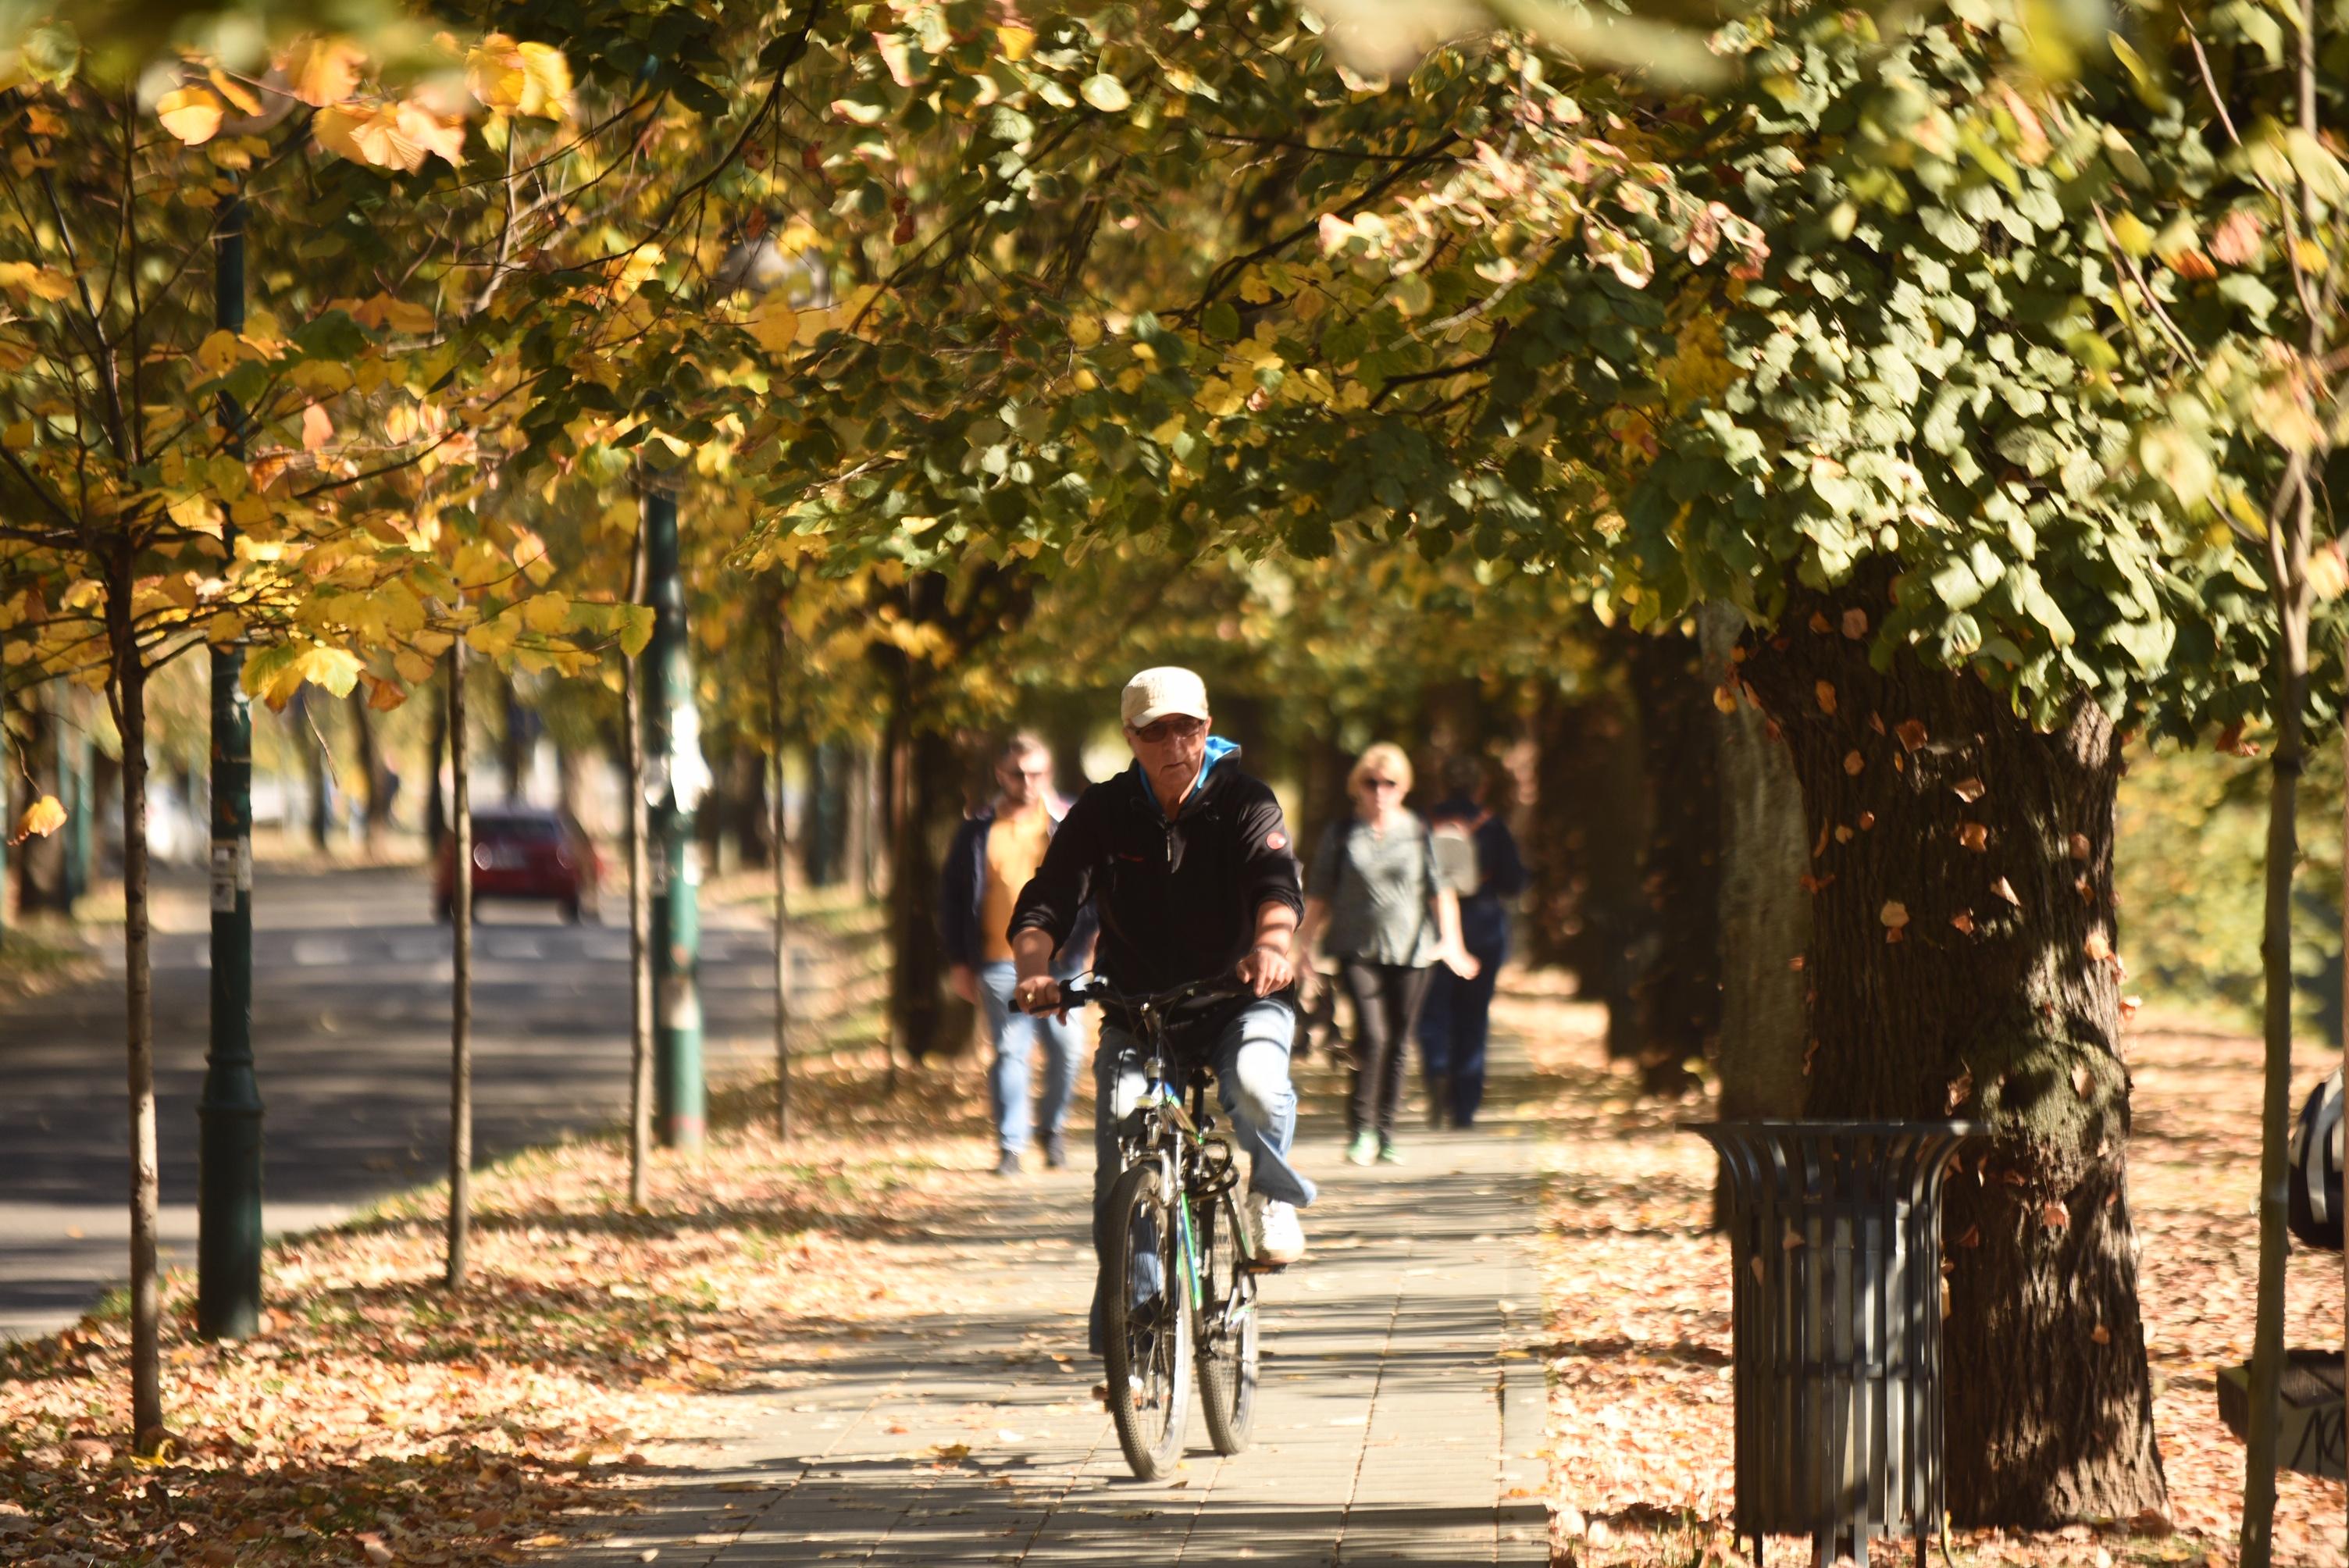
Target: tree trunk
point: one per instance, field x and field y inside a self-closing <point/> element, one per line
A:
<point x="923" y="775"/>
<point x="2288" y="542"/>
<point x="1765" y="914"/>
<point x="640" y="918"/>
<point x="1588" y="819"/>
<point x="780" y="860"/>
<point x="310" y="740"/>
<point x="1960" y="963"/>
<point x="867" y="788"/>
<point x="460" y="1011"/>
<point x="130" y="683"/>
<point x="371" y="768"/>
<point x="1680" y="991"/>
<point x="515" y="736"/>
<point x="436" y="804"/>
<point x="42" y="884"/>
<point x="823" y="819"/>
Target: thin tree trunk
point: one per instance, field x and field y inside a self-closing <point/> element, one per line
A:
<point x="513" y="736"/>
<point x="146" y="1297"/>
<point x="780" y="859"/>
<point x="2288" y="588"/>
<point x="370" y="766"/>
<point x="310" y="739"/>
<point x="436" y="804"/>
<point x="460" y="1026"/>
<point x="1962" y="963"/>
<point x="640" y="966"/>
<point x="865" y="787"/>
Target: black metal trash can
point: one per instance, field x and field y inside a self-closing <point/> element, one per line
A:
<point x="1834" y="1234"/>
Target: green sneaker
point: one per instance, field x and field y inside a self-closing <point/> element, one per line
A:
<point x="1388" y="1154"/>
<point x="1364" y="1148"/>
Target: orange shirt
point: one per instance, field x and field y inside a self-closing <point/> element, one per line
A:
<point x="1014" y="848"/>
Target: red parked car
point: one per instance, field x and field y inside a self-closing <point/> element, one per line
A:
<point x="523" y="851"/>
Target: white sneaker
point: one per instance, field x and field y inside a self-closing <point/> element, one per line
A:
<point x="1279" y="1239"/>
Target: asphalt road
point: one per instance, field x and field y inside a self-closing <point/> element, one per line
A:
<point x="351" y="1030"/>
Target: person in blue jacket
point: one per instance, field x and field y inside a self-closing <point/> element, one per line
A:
<point x="995" y="850"/>
<point x="1455" y="1019"/>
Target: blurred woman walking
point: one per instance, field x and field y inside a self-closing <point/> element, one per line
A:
<point x="1375" y="895"/>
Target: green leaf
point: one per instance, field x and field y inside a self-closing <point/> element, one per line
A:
<point x="1106" y="93"/>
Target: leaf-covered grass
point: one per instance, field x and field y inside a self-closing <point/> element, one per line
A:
<point x="40" y="956"/>
<point x="380" y="1418"/>
<point x="1638" y="1302"/>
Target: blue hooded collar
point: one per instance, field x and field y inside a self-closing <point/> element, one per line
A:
<point x="1218" y="748"/>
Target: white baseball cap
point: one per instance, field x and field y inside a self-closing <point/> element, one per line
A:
<point x="1161" y="692"/>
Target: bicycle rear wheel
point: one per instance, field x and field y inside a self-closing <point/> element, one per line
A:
<point x="1228" y="1328"/>
<point x="1147" y="1313"/>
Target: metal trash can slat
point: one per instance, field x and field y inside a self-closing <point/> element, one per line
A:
<point x="1834" y="1241"/>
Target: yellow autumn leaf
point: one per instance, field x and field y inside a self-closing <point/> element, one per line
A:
<point x="193" y="114"/>
<point x="224" y="628"/>
<point x="494" y="638"/>
<point x="774" y="324"/>
<point x="1016" y="41"/>
<point x="40" y="281"/>
<point x="548" y="73"/>
<point x="234" y="91"/>
<point x="317" y="430"/>
<point x="218" y="352"/>
<point x="413" y="668"/>
<point x="18" y="435"/>
<point x="42" y="818"/>
<point x="323" y="71"/>
<point x="546" y="613"/>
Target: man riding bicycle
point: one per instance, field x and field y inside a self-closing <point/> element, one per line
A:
<point x="1188" y="862"/>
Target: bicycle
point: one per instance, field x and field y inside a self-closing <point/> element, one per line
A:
<point x="1172" y="1213"/>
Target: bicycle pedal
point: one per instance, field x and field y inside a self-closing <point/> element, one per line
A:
<point x="1257" y="1267"/>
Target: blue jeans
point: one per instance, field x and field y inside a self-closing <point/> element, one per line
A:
<point x="1015" y="1034"/>
<point x="1251" y="1062"/>
<point x="1453" y="1026"/>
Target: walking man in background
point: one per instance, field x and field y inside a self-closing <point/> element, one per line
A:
<point x="1481" y="863"/>
<point x="994" y="852"/>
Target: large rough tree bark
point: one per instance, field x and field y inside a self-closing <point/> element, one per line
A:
<point x="1961" y="964"/>
<point x="1765" y="914"/>
<point x="1679" y="991"/>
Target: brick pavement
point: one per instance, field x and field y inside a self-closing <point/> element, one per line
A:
<point x="1400" y="1418"/>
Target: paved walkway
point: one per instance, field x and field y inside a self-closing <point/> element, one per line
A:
<point x="1400" y="1420"/>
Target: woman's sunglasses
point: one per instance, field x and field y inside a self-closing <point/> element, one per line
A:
<point x="1382" y="783"/>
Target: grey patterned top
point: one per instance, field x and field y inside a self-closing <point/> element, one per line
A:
<point x="1381" y="886"/>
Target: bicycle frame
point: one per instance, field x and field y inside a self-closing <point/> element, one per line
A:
<point x="1192" y="1162"/>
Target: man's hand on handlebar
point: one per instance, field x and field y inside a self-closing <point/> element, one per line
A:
<point x="1038" y="994"/>
<point x="1265" y="969"/>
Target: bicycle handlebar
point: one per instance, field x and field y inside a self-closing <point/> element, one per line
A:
<point x="1100" y="993"/>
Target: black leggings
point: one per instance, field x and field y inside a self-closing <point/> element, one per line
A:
<point x="1386" y="1005"/>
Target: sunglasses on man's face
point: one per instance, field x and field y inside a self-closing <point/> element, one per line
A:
<point x="1161" y="731"/>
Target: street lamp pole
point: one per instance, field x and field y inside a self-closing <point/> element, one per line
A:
<point x="675" y="776"/>
<point x="228" y="1244"/>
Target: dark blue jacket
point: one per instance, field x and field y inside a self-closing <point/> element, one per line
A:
<point x="1177" y="900"/>
<point x="1501" y="876"/>
<point x="962" y="882"/>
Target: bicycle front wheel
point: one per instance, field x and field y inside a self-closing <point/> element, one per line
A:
<point x="1227" y="1328"/>
<point x="1147" y="1313"/>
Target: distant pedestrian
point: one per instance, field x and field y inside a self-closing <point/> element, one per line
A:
<point x="995" y="853"/>
<point x="1479" y="858"/>
<point x="1376" y="892"/>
